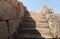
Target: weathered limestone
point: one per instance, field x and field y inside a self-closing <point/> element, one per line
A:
<point x="47" y="10"/>
<point x="21" y="10"/>
<point x="13" y="27"/>
<point x="58" y="29"/>
<point x="18" y="7"/>
<point x="3" y="30"/>
<point x="11" y="9"/>
<point x="54" y="23"/>
<point x="31" y="24"/>
<point x="6" y="11"/>
<point x="11" y="14"/>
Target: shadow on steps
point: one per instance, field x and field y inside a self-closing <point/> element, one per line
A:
<point x="27" y="29"/>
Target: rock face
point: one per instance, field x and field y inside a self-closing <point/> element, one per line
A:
<point x="47" y="10"/>
<point x="54" y="24"/>
<point x="11" y="14"/>
<point x="3" y="30"/>
<point x="13" y="27"/>
<point x="6" y="11"/>
<point x="11" y="9"/>
<point x="34" y="25"/>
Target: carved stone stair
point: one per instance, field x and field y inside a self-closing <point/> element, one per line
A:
<point x="34" y="27"/>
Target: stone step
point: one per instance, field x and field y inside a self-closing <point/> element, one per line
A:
<point x="33" y="15"/>
<point x="34" y="19"/>
<point x="33" y="25"/>
<point x="30" y="14"/>
<point x="42" y="25"/>
<point x="35" y="30"/>
<point x="27" y="35"/>
<point x="28" y="21"/>
<point x="47" y="36"/>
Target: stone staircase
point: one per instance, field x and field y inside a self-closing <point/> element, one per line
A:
<point x="34" y="26"/>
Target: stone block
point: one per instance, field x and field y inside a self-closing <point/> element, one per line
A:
<point x="13" y="27"/>
<point x="6" y="11"/>
<point x="3" y="30"/>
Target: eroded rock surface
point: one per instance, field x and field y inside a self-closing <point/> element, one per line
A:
<point x="11" y="14"/>
<point x="11" y="9"/>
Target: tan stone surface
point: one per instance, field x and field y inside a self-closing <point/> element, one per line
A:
<point x="11" y="9"/>
<point x="54" y="24"/>
<point x="6" y="11"/>
<point x="34" y="23"/>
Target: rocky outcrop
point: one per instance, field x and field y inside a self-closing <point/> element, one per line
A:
<point x="6" y="11"/>
<point x="11" y="9"/>
<point x="11" y="14"/>
<point x="54" y="24"/>
<point x="47" y="10"/>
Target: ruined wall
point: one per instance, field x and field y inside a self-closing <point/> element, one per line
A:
<point x="54" y="24"/>
<point x="11" y="14"/>
<point x="53" y="21"/>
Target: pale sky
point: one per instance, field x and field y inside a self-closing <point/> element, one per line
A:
<point x="36" y="5"/>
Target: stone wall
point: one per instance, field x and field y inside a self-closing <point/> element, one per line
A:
<point x="54" y="24"/>
<point x="11" y="14"/>
<point x="53" y="21"/>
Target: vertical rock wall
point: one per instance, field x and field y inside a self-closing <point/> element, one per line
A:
<point x="11" y="14"/>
